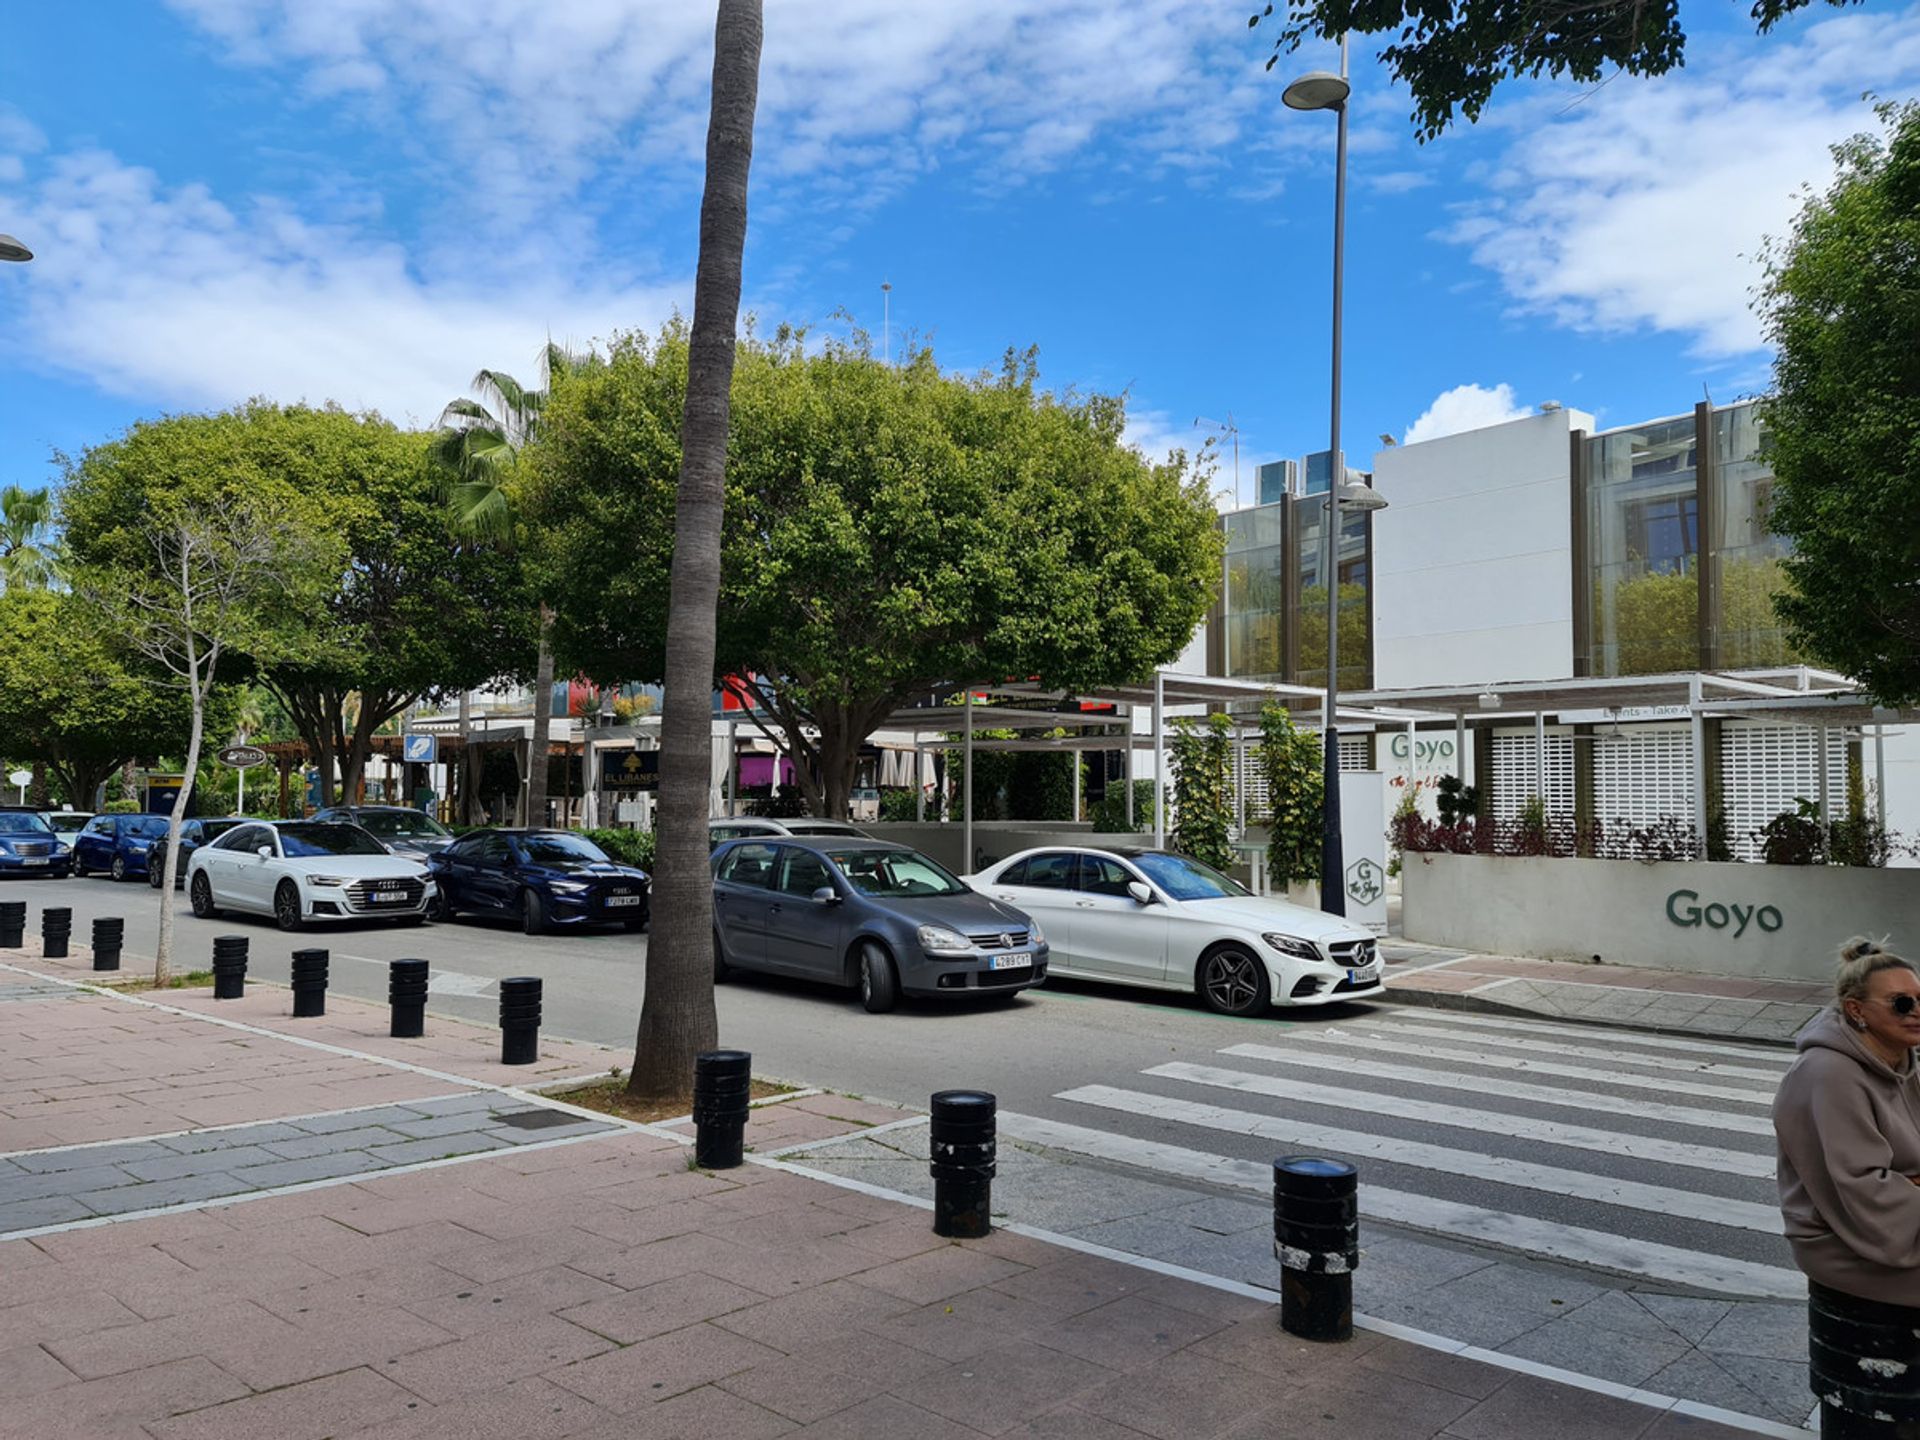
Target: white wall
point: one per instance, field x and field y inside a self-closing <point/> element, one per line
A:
<point x="1903" y="785"/>
<point x="1473" y="559"/>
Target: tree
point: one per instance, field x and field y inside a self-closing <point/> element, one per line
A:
<point x="677" y="1018"/>
<point x="1451" y="57"/>
<point x="1841" y="298"/>
<point x="892" y="532"/>
<point x="26" y="539"/>
<point x="205" y="573"/>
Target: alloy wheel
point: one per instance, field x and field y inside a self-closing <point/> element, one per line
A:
<point x="1232" y="982"/>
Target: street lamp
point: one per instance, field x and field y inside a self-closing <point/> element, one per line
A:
<point x="12" y="249"/>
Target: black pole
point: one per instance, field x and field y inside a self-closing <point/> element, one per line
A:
<point x="56" y="928"/>
<point x="309" y="983"/>
<point x="109" y="933"/>
<point x="229" y="966"/>
<point x="407" y="993"/>
<point x="1333" y="862"/>
<point x="961" y="1133"/>
<point x="1316" y="1239"/>
<point x="520" y="1021"/>
<point x="13" y="924"/>
<point x="722" y="1086"/>
<point x="1864" y="1365"/>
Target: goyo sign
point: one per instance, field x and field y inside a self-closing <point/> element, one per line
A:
<point x="1438" y="753"/>
<point x="1685" y="910"/>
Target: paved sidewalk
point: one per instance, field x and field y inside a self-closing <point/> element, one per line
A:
<point x="525" y="1270"/>
<point x="1666" y="1000"/>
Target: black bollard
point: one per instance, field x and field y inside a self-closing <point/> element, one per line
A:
<point x="407" y="993"/>
<point x="1316" y="1239"/>
<point x="108" y="934"/>
<point x="962" y="1137"/>
<point x="1865" y="1366"/>
<point x="520" y="1021"/>
<point x="722" y="1083"/>
<point x="229" y="967"/>
<point x="56" y="928"/>
<point x="309" y="983"/>
<point x="13" y="924"/>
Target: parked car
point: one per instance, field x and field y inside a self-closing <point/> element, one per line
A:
<point x="28" y="846"/>
<point x="876" y="916"/>
<point x="67" y="823"/>
<point x="1153" y="918"/>
<point x="413" y="833"/>
<point x="193" y="834"/>
<point x="304" y="870"/>
<point x="544" y="878"/>
<point x="743" y="826"/>
<point x="117" y="845"/>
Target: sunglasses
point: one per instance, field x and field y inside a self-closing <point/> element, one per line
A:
<point x="1903" y="1004"/>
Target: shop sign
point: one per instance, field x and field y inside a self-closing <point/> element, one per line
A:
<point x="1685" y="910"/>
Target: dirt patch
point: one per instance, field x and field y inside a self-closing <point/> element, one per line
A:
<point x="188" y="980"/>
<point x="610" y="1097"/>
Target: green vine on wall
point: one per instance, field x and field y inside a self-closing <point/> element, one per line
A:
<point x="1203" y="789"/>
<point x="1291" y="760"/>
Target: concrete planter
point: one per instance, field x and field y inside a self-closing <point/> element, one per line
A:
<point x="1778" y="921"/>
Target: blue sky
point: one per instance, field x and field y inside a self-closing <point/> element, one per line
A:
<point x="367" y="201"/>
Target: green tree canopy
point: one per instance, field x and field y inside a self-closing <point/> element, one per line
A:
<point x="890" y="530"/>
<point x="1842" y="304"/>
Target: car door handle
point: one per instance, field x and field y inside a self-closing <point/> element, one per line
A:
<point x="1003" y="897"/>
<point x="1083" y="904"/>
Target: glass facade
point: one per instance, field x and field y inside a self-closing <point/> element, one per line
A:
<point x="1745" y="556"/>
<point x="1272" y="624"/>
<point x="1356" y="607"/>
<point x="1255" y="609"/>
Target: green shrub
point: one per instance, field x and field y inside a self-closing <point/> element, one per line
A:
<point x="1203" y="789"/>
<point x="628" y="847"/>
<point x="899" y="803"/>
<point x="1293" y="762"/>
<point x="1109" y="817"/>
<point x="123" y="807"/>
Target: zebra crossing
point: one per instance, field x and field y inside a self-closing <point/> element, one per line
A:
<point x="1643" y="1155"/>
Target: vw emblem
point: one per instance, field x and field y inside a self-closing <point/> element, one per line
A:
<point x="1006" y="940"/>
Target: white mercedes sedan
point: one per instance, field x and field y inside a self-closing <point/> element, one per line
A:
<point x="303" y="870"/>
<point x="1153" y="918"/>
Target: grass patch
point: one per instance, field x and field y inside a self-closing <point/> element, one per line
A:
<point x="183" y="980"/>
<point x="610" y="1097"/>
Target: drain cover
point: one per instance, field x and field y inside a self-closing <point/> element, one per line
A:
<point x="535" y="1119"/>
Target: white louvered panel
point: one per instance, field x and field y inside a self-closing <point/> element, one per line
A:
<point x="1356" y="752"/>
<point x="1251" y="777"/>
<point x="1516" y="773"/>
<point x="1643" y="774"/>
<point x="1765" y="768"/>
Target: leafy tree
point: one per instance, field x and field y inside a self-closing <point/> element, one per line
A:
<point x="1451" y="57"/>
<point x="26" y="539"/>
<point x="892" y="530"/>
<point x="1841" y="300"/>
<point x="1203" y="789"/>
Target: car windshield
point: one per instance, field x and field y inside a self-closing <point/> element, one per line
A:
<point x="148" y="826"/>
<point x="67" y="824"/>
<point x="1186" y="879"/>
<point x="894" y="874"/>
<point x="560" y="849"/>
<point x="310" y="837"/>
<point x="821" y="827"/>
<point x="17" y="822"/>
<point x="403" y="825"/>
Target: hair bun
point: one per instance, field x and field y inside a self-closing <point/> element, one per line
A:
<point x="1858" y="948"/>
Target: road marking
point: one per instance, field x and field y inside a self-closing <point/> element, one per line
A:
<point x="1539" y="1067"/>
<point x="1492" y="1122"/>
<point x="1555" y="1047"/>
<point x="1417" y="1154"/>
<point x="1513" y="1089"/>
<point x="1758" y="1054"/>
<point x="1573" y="1244"/>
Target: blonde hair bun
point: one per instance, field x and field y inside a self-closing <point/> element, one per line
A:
<point x="1859" y="948"/>
<point x="1860" y="959"/>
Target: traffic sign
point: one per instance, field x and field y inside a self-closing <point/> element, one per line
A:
<point x="20" y="777"/>
<point x="243" y="757"/>
<point x="419" y="749"/>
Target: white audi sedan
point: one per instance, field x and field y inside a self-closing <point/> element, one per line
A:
<point x="303" y="870"/>
<point x="1153" y="918"/>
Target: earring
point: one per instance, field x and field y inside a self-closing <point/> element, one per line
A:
<point x="1856" y="1022"/>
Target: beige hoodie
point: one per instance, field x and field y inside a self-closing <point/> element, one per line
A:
<point x="1849" y="1131"/>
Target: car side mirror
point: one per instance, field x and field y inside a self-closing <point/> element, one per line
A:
<point x="265" y="852"/>
<point x="826" y="895"/>
<point x="1140" y="891"/>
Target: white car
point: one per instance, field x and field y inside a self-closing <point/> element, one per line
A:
<point x="303" y="870"/>
<point x="1153" y="918"/>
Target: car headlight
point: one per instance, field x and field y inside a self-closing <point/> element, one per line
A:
<point x="570" y="887"/>
<point x="6" y="847"/>
<point x="939" y="940"/>
<point x="337" y="881"/>
<point x="1035" y="936"/>
<point x="58" y="849"/>
<point x="1295" y="946"/>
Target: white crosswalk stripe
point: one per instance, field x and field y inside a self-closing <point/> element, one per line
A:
<point x="1633" y="1191"/>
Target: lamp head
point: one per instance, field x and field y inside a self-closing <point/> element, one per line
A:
<point x="1354" y="496"/>
<point x="12" y="249"/>
<point x="1317" y="90"/>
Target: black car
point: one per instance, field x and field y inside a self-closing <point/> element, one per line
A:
<point x="193" y="834"/>
<point x="412" y="833"/>
<point x="546" y="879"/>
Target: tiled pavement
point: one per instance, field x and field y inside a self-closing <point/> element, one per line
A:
<point x="601" y="1287"/>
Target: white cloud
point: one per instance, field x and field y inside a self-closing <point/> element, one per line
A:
<point x="1645" y="204"/>
<point x="1464" y="407"/>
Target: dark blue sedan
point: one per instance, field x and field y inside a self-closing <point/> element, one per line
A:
<point x="542" y="878"/>
<point x="117" y="845"/>
<point x="193" y="834"/>
<point x="28" y="846"/>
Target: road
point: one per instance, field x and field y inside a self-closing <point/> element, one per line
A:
<point x="1528" y="1165"/>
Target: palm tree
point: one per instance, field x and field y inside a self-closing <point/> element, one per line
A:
<point x="677" y="1018"/>
<point x="27" y="559"/>
<point x="479" y="443"/>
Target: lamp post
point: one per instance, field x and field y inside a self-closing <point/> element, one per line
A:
<point x="1324" y="90"/>
<point x="12" y="249"/>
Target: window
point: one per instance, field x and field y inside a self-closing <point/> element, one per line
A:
<point x="895" y="874"/>
<point x="750" y="865"/>
<point x="1186" y="879"/>
<point x="1100" y="875"/>
<point x="1052" y="871"/>
<point x="99" y="825"/>
<point x="22" y="823"/>
<point x="561" y="849"/>
<point x="802" y="872"/>
<point x="246" y="837"/>
<point x="1664" y="532"/>
<point x="393" y="824"/>
<point x="308" y="839"/>
<point x="146" y="826"/>
<point x="492" y="849"/>
<point x="208" y="829"/>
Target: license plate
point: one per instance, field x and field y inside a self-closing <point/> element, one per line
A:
<point x="1013" y="962"/>
<point x="389" y="897"/>
<point x="1365" y="972"/>
<point x="623" y="900"/>
<point x="33" y="860"/>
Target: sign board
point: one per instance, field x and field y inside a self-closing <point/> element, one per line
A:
<point x="243" y="757"/>
<point x="632" y="770"/>
<point x="419" y="749"/>
<point x="20" y="777"/>
<point x="1363" y="843"/>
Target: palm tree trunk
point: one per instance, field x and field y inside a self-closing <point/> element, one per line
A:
<point x="677" y="1019"/>
<point x="542" y="723"/>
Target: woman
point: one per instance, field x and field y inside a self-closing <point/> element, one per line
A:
<point x="1847" y="1117"/>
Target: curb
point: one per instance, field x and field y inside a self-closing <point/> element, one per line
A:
<point x="1475" y="1004"/>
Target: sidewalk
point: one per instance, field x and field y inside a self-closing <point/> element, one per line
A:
<point x="389" y="1238"/>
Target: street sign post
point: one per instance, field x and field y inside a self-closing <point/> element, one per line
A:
<point x="242" y="758"/>
<point x="22" y="778"/>
<point x="419" y="749"/>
